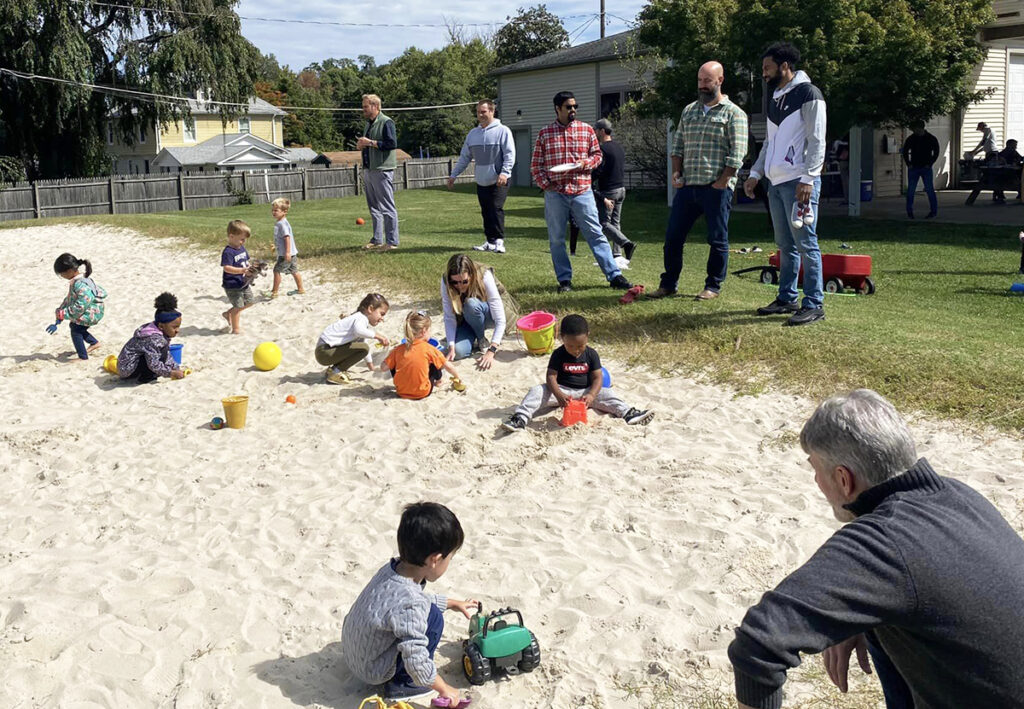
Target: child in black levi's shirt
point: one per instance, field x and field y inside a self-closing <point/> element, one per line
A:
<point x="574" y="372"/>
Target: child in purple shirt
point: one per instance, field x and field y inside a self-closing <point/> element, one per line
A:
<point x="234" y="260"/>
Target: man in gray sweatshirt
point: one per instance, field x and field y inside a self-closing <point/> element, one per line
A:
<point x="926" y="576"/>
<point x="494" y="150"/>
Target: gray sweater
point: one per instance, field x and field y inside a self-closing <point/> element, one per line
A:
<point x="928" y="564"/>
<point x="390" y="617"/>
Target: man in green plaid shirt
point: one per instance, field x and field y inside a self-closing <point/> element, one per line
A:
<point x="709" y="145"/>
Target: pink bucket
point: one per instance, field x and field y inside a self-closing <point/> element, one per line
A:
<point x="538" y="330"/>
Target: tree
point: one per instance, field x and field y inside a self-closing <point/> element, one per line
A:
<point x="644" y="141"/>
<point x="177" y="49"/>
<point x="457" y="73"/>
<point x="529" y="34"/>
<point x="876" y="61"/>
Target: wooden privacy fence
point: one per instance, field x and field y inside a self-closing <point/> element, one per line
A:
<point x="166" y="192"/>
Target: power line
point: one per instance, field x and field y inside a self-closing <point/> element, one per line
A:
<point x="577" y="33"/>
<point x="157" y="98"/>
<point x="284" y="20"/>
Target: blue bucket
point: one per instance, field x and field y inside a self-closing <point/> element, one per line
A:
<point x="430" y="341"/>
<point x="176" y="353"/>
<point x="606" y="378"/>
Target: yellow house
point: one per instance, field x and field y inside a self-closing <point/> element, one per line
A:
<point x="261" y="120"/>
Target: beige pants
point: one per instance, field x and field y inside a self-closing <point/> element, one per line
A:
<point x="342" y="357"/>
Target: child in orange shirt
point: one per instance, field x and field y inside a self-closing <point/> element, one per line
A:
<point x="416" y="365"/>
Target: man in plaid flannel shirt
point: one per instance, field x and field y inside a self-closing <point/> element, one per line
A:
<point x="708" y="149"/>
<point x="563" y="142"/>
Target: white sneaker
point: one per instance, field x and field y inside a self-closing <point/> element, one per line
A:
<point x="499" y="246"/>
<point x="486" y="246"/>
<point x="622" y="262"/>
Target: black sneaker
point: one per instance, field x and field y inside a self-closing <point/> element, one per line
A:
<point x="805" y="316"/>
<point x="564" y="286"/>
<point x="628" y="250"/>
<point x="620" y="282"/>
<point x="402" y="692"/>
<point x="514" y="423"/>
<point x="635" y="417"/>
<point x="777" y="307"/>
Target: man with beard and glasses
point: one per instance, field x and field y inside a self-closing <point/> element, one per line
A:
<point x="707" y="150"/>
<point x="791" y="158"/>
<point x="563" y="157"/>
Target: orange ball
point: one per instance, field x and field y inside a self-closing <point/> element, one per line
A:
<point x="360" y="221"/>
<point x="290" y="399"/>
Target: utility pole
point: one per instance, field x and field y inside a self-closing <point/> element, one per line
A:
<point x="602" y="19"/>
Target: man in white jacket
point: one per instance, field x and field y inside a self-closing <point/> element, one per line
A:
<point x="494" y="150"/>
<point x="791" y="159"/>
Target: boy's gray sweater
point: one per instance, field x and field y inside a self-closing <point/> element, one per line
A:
<point x="390" y="617"/>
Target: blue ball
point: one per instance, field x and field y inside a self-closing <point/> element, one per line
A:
<point x="606" y="378"/>
<point x="217" y="423"/>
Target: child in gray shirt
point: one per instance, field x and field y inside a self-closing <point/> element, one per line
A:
<point x="391" y="631"/>
<point x="284" y="243"/>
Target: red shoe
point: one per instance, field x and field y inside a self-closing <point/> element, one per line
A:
<point x="632" y="294"/>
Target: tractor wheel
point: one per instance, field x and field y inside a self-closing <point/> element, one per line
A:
<point x="769" y="275"/>
<point x="868" y="288"/>
<point x="834" y="285"/>
<point x="531" y="656"/>
<point x="476" y="666"/>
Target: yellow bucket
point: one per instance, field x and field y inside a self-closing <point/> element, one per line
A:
<point x="110" y="364"/>
<point x="538" y="331"/>
<point x="235" y="408"/>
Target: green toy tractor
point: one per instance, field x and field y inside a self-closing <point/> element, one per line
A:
<point x="495" y="642"/>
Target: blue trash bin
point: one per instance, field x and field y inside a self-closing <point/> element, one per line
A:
<point x="866" y="190"/>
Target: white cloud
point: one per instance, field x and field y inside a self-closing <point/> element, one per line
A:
<point x="298" y="45"/>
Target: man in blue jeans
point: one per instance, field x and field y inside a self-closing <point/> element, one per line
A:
<point x="565" y="154"/>
<point x="791" y="158"/>
<point x="920" y="151"/>
<point x="707" y="150"/>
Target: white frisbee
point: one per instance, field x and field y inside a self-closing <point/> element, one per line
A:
<point x="564" y="167"/>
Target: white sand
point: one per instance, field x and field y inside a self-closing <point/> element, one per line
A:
<point x="150" y="561"/>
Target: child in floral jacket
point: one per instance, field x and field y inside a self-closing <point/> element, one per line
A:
<point x="83" y="305"/>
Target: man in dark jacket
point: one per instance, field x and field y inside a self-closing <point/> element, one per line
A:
<point x="920" y="151"/>
<point x="925" y="575"/>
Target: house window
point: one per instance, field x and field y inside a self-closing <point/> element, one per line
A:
<point x="189" y="129"/>
<point x="610" y="103"/>
<point x="110" y="132"/>
<point x="147" y="167"/>
<point x="244" y="124"/>
<point x="142" y="134"/>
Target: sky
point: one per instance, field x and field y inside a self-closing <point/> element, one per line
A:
<point x="298" y="45"/>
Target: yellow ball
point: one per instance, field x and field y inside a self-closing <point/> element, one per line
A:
<point x="266" y="356"/>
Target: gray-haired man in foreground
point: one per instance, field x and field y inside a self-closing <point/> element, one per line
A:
<point x="925" y="575"/>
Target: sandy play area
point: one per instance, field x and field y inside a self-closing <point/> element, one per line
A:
<point x="149" y="561"/>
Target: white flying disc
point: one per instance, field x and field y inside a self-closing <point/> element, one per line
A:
<point x="564" y="167"/>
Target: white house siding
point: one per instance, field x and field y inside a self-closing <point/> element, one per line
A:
<point x="990" y="73"/>
<point x="617" y="75"/>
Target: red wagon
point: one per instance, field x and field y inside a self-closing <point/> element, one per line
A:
<point x="838" y="272"/>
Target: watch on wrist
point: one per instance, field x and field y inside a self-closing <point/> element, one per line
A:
<point x="492" y="349"/>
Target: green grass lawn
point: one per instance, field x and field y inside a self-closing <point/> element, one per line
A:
<point x="940" y="335"/>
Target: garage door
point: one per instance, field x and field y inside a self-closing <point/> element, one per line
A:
<point x="1015" y="100"/>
